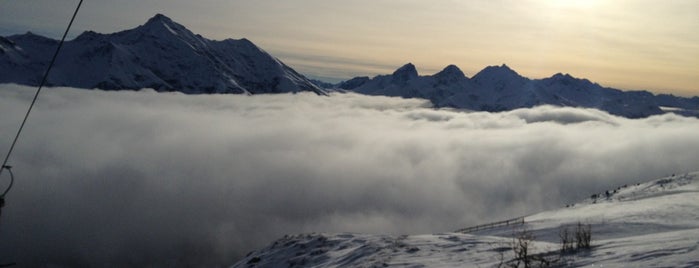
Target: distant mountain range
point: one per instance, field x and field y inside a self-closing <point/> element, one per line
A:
<point x="160" y="54"/>
<point x="164" y="55"/>
<point x="499" y="88"/>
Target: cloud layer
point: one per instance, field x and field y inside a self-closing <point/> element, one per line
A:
<point x="136" y="178"/>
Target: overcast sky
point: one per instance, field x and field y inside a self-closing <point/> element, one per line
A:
<point x="136" y="178"/>
<point x="628" y="44"/>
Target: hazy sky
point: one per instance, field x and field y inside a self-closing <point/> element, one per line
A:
<point x="629" y="44"/>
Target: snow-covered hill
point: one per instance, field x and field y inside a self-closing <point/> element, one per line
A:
<point x="499" y="88"/>
<point x="160" y="54"/>
<point x="653" y="224"/>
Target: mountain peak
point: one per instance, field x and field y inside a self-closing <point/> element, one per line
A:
<point x="407" y="71"/>
<point x="450" y="71"/>
<point x="162" y="26"/>
<point x="87" y="36"/>
<point x="404" y="74"/>
<point x="568" y="79"/>
<point x="503" y="67"/>
<point x="160" y="22"/>
<point x="502" y="71"/>
<point x="159" y="54"/>
<point x="30" y="34"/>
<point x="562" y="76"/>
<point x="33" y="37"/>
<point x="159" y="18"/>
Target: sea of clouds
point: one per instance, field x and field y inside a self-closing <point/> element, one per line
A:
<point x="138" y="178"/>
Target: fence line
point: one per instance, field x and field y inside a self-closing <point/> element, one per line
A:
<point x="515" y="221"/>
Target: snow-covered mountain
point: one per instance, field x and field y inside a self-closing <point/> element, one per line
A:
<point x="160" y="54"/>
<point x="653" y="224"/>
<point x="499" y="88"/>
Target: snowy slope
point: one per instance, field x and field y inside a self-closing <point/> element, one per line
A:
<point x="160" y="54"/>
<point x="499" y="88"/>
<point x="651" y="224"/>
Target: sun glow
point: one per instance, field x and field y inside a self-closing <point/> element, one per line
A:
<point x="575" y="4"/>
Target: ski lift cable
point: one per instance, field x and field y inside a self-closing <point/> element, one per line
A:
<point x="12" y="181"/>
<point x="36" y="95"/>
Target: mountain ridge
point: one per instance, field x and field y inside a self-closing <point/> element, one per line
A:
<point x="500" y="88"/>
<point x="164" y="55"/>
<point x="160" y="54"/>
